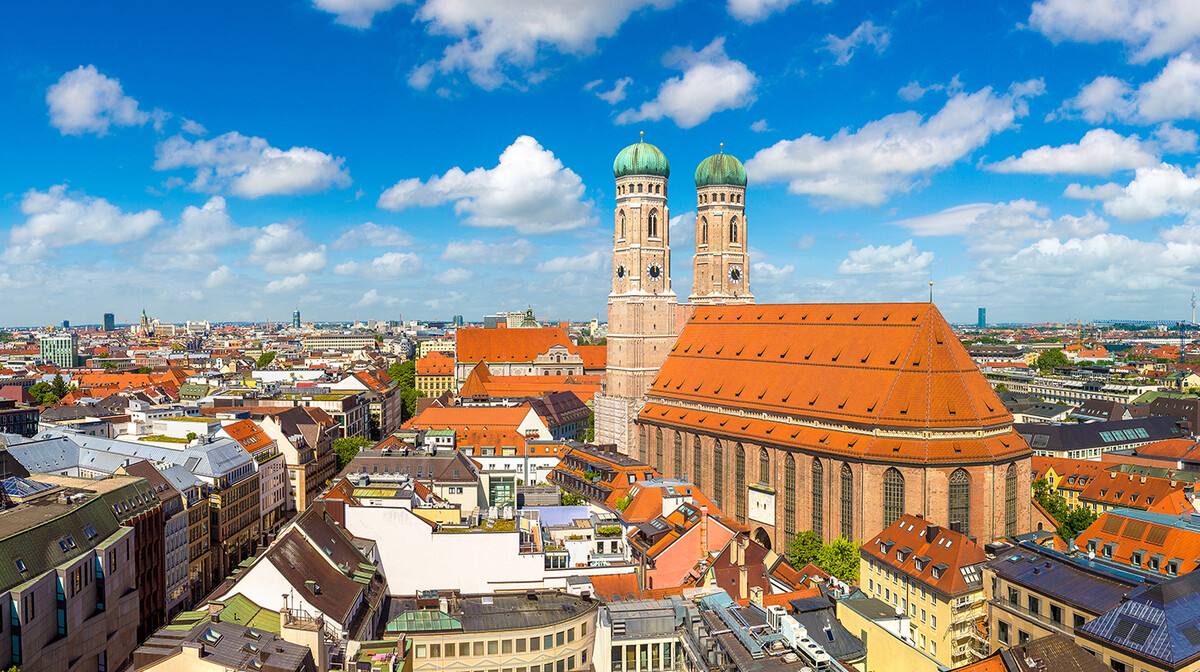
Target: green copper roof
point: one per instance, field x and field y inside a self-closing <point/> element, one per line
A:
<point x="721" y="169"/>
<point x="641" y="158"/>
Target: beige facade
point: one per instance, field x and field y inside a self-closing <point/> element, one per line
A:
<point x="560" y="647"/>
<point x="886" y="650"/>
<point x="721" y="266"/>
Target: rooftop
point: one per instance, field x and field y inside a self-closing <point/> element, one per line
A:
<point x="490" y="613"/>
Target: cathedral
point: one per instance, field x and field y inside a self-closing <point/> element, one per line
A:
<point x="836" y="418"/>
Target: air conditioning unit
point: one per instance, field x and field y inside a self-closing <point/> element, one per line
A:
<point x="774" y="614"/>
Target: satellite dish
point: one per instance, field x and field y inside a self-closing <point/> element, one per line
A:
<point x="1091" y="555"/>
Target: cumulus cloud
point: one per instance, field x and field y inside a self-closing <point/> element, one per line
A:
<point x="592" y="261"/>
<point x="885" y="259"/>
<point x="894" y="154"/>
<point x="370" y="234"/>
<point x="1173" y="94"/>
<point x="769" y="273"/>
<point x="988" y="228"/>
<point x="1175" y="140"/>
<point x="281" y="248"/>
<point x="471" y="252"/>
<point x="193" y="127"/>
<point x="454" y="276"/>
<point x="806" y="242"/>
<point x="867" y="33"/>
<point x="760" y="126"/>
<point x="1155" y="191"/>
<point x="85" y="101"/>
<point x="250" y="167"/>
<point x="711" y="82"/>
<point x="1149" y="28"/>
<point x="222" y="276"/>
<point x="500" y="42"/>
<point x="913" y="91"/>
<point x="355" y="13"/>
<point x="386" y="266"/>
<point x="56" y="218"/>
<point x="529" y="190"/>
<point x="616" y="95"/>
<point x="1100" y="152"/>
<point x="200" y="231"/>
<point x="753" y="11"/>
<point x="290" y="283"/>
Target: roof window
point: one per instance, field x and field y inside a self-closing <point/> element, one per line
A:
<point x="21" y="566"/>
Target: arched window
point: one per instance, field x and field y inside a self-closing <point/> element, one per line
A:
<point x="818" y="501"/>
<point x="764" y="467"/>
<point x="658" y="449"/>
<point x="960" y="501"/>
<point x="789" y="499"/>
<point x="643" y="448"/>
<point x="697" y="461"/>
<point x="718" y="472"/>
<point x="622" y="224"/>
<point x="639" y="188"/>
<point x="703" y="230"/>
<point x="740" y="482"/>
<point x="652" y="227"/>
<point x="847" y="502"/>
<point x="678" y="473"/>
<point x="1010" y="501"/>
<point x="893" y="496"/>
<point x="722" y="198"/>
<point x="733" y="232"/>
<point x="658" y="188"/>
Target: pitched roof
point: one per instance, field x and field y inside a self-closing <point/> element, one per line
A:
<point x="1130" y="491"/>
<point x="1073" y="474"/>
<point x="1158" y="623"/>
<point x="807" y="366"/>
<point x="248" y="434"/>
<point x="469" y="417"/>
<point x="436" y="364"/>
<point x="507" y="345"/>
<point x="594" y="356"/>
<point x="920" y="550"/>
<point x="1117" y="535"/>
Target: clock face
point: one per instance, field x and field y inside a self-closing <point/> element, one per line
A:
<point x="735" y="274"/>
<point x="620" y="271"/>
<point x="654" y="271"/>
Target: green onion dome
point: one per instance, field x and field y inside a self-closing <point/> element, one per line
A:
<point x="641" y="158"/>
<point x="721" y="169"/>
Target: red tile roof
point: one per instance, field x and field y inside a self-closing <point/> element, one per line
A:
<point x="436" y="364"/>
<point x="507" y="345"/>
<point x="469" y="417"/>
<point x="594" y="356"/>
<point x="910" y="540"/>
<point x="1176" y="539"/>
<point x="1130" y="491"/>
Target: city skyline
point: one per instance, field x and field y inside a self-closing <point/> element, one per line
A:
<point x="375" y="157"/>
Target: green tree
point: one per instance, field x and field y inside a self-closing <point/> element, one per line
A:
<point x="840" y="559"/>
<point x="1070" y="521"/>
<point x="409" y="398"/>
<point x="265" y="359"/>
<point x="144" y="370"/>
<point x="804" y="549"/>
<point x="5" y="337"/>
<point x="109" y="365"/>
<point x="59" y="386"/>
<point x="572" y="499"/>
<point x="1001" y="387"/>
<point x="43" y="394"/>
<point x="191" y="436"/>
<point x="347" y="447"/>
<point x="590" y="435"/>
<point x="404" y="373"/>
<point x="1052" y="358"/>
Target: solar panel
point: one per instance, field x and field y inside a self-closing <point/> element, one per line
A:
<point x="1134" y="529"/>
<point x="1107" y="436"/>
<point x="1040" y="440"/>
<point x="1157" y="535"/>
<point x="1123" y="628"/>
<point x="1140" y="634"/>
<point x="1112" y="524"/>
<point x="1193" y="635"/>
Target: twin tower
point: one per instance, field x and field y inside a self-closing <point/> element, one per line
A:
<point x="644" y="315"/>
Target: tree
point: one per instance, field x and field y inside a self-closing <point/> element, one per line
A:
<point x="404" y="373"/>
<point x="191" y="436"/>
<point x="1001" y="387"/>
<point x="5" y="337"/>
<point x="1070" y="521"/>
<point x="265" y="359"/>
<point x="59" y="386"/>
<point x="144" y="370"/>
<point x="572" y="499"/>
<point x="590" y="435"/>
<point x="840" y="559"/>
<point x="804" y="549"/>
<point x="43" y="394"/>
<point x="347" y="447"/>
<point x="1052" y="358"/>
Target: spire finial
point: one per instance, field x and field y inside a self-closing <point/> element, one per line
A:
<point x="722" y="148"/>
<point x="641" y="136"/>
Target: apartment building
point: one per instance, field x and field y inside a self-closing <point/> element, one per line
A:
<point x="272" y="473"/>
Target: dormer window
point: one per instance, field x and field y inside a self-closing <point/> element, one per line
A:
<point x="1135" y="559"/>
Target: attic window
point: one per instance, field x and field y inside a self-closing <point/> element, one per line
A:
<point x="21" y="566"/>
<point x="814" y="398"/>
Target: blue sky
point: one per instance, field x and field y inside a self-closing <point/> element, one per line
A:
<point x="368" y="158"/>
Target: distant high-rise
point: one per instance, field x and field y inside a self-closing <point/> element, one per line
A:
<point x="110" y="322"/>
<point x="982" y="318"/>
<point x="296" y="318"/>
<point x="66" y="324"/>
<point x="458" y="320"/>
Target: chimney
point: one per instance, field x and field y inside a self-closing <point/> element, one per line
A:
<point x="931" y="533"/>
<point x="743" y="580"/>
<point x="704" y="530"/>
<point x="193" y="649"/>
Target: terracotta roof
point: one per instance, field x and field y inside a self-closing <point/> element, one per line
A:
<point x="917" y="549"/>
<point x="1073" y="474"/>
<point x="616" y="587"/>
<point x="594" y="356"/>
<point x="436" y="364"/>
<point x="861" y="366"/>
<point x="1130" y="491"/>
<point x="1171" y="537"/>
<point x="469" y="417"/>
<point x="248" y="434"/>
<point x="507" y="345"/>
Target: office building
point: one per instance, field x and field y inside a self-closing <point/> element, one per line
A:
<point x="296" y="318"/>
<point x="982" y="318"/>
<point x="110" y="322"/>
<point x="61" y="351"/>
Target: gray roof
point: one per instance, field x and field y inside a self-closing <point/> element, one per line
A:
<point x="1068" y="437"/>
<point x="60" y="450"/>
<point x="1158" y="622"/>
<point x="227" y="645"/>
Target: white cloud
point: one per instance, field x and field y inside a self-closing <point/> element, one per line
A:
<point x="1155" y="191"/>
<point x="867" y="33"/>
<point x="951" y="221"/>
<point x="529" y="190"/>
<point x="1100" y="152"/>
<point x="370" y="234"/>
<point x="913" y="91"/>
<point x="753" y="11"/>
<point x="1150" y="28"/>
<point x="453" y="276"/>
<point x="498" y="42"/>
<point x="222" y="276"/>
<point x="889" y="259"/>
<point x="806" y="242"/>
<point x="592" y="261"/>
<point x="760" y="126"/>
<point x="355" y="13"/>
<point x="385" y="266"/>
<point x="85" y="101"/>
<point x="479" y="252"/>
<point x="989" y="228"/>
<point x="250" y="167"/>
<point x="1175" y="140"/>
<point x="200" y="231"/>
<point x="711" y="82"/>
<point x="281" y="248"/>
<point x="290" y="283"/>
<point x="1173" y="94"/>
<point x="770" y="273"/>
<point x="616" y="95"/>
<point x="893" y="154"/>
<point x="194" y="128"/>
<point x="55" y="218"/>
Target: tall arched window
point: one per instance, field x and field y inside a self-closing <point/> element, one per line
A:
<point x="789" y="499"/>
<point x="703" y="230"/>
<point x="622" y="224"/>
<point x="639" y="188"/>
<point x="847" y="502"/>
<point x="1010" y="501"/>
<point x="893" y="496"/>
<point x="652" y="226"/>
<point x="960" y="501"/>
<point x="697" y="462"/>
<point x="658" y="449"/>
<point x="818" y="500"/>
<point x="722" y="198"/>
<point x="718" y="472"/>
<point x="764" y="467"/>
<point x="733" y="232"/>
<point x="739" y="481"/>
<point x="678" y="473"/>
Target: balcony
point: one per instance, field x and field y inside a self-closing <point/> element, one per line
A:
<point x="1044" y="621"/>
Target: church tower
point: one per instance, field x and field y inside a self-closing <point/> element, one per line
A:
<point x="642" y="307"/>
<point x="721" y="269"/>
